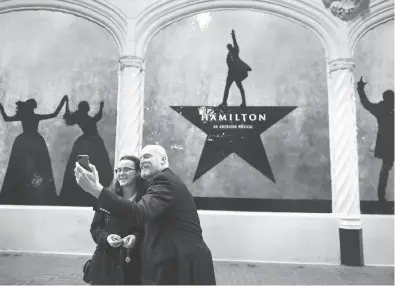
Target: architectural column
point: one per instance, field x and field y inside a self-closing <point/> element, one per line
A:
<point x="344" y="159"/>
<point x="130" y="106"/>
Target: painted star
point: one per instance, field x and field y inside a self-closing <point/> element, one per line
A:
<point x="234" y="130"/>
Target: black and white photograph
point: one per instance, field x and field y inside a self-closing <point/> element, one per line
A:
<point x="168" y="142"/>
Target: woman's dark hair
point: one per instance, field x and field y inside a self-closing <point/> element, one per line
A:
<point x="141" y="183"/>
<point x="29" y="104"/>
<point x="73" y="117"/>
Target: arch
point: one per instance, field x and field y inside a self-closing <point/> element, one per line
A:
<point x="311" y="14"/>
<point x="380" y="11"/>
<point x="100" y="12"/>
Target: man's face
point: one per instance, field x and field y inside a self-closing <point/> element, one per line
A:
<point x="151" y="163"/>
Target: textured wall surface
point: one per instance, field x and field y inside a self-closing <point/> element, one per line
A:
<point x="186" y="66"/>
<point x="374" y="60"/>
<point x="45" y="55"/>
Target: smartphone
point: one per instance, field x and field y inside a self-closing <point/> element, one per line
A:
<point x="83" y="160"/>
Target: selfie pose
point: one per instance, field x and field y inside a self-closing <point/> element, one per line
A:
<point x="173" y="249"/>
<point x="29" y="177"/>
<point x="91" y="144"/>
<point x="117" y="257"/>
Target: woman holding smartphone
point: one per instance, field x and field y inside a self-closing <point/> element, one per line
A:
<point x="117" y="257"/>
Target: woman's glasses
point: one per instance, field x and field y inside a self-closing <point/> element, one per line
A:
<point x="124" y="170"/>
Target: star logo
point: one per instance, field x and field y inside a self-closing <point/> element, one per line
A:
<point x="234" y="130"/>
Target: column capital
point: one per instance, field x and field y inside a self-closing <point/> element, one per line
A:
<point x="344" y="10"/>
<point x="130" y="61"/>
<point x="341" y="64"/>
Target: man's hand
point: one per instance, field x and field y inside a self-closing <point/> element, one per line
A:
<point x="129" y="241"/>
<point x="361" y="84"/>
<point x="114" y="240"/>
<point x="88" y="181"/>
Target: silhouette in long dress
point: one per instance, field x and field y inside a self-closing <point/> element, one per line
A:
<point x="89" y="143"/>
<point x="238" y="71"/>
<point x="384" y="150"/>
<point x="29" y="178"/>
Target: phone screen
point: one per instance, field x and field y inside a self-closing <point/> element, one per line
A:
<point x="83" y="160"/>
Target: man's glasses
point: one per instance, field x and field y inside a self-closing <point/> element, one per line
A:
<point x="124" y="169"/>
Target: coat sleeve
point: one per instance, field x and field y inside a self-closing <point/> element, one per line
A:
<point x="154" y="203"/>
<point x="369" y="106"/>
<point x="98" y="232"/>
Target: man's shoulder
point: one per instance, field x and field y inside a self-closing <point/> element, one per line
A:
<point x="167" y="175"/>
<point x="162" y="175"/>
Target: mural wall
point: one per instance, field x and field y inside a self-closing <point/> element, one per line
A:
<point x="43" y="57"/>
<point x="193" y="75"/>
<point x="374" y="57"/>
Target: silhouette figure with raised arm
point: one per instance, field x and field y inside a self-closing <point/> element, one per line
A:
<point x="384" y="150"/>
<point x="89" y="143"/>
<point x="238" y="71"/>
<point x="29" y="178"/>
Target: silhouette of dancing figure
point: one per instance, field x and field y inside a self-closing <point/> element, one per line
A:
<point x="384" y="113"/>
<point x="238" y="71"/>
<point x="89" y="143"/>
<point x="29" y="178"/>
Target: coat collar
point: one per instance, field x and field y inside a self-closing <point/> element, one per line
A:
<point x="164" y="170"/>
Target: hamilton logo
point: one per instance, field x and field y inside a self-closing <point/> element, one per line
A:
<point x="234" y="129"/>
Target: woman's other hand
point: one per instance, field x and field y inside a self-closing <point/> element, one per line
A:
<point x="114" y="240"/>
<point x="129" y="241"/>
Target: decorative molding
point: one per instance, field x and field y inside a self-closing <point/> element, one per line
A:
<point x="379" y="12"/>
<point x="101" y="12"/>
<point x="351" y="222"/>
<point x="341" y="63"/>
<point x="130" y="61"/>
<point x="310" y="14"/>
<point x="345" y="10"/>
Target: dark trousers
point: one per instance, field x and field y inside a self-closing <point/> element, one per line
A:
<point x="383" y="179"/>
<point x="229" y="81"/>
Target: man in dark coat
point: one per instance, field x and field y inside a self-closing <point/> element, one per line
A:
<point x="384" y="113"/>
<point x="173" y="249"/>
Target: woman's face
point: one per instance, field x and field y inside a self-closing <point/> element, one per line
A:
<point x="126" y="173"/>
